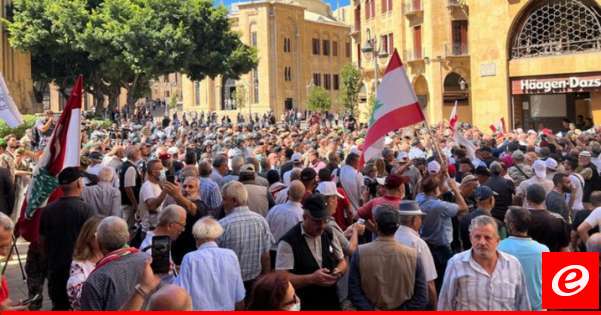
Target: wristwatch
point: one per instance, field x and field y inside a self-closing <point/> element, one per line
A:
<point x="141" y="291"/>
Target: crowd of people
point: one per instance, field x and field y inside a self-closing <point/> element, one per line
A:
<point x="283" y="215"/>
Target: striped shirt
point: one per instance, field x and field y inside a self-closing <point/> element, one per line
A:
<point x="468" y="287"/>
<point x="248" y="235"/>
<point x="210" y="193"/>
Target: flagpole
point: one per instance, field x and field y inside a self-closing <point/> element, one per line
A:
<point x="434" y="142"/>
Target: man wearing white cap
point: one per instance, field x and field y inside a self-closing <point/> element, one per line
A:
<point x="407" y="234"/>
<point x="297" y="162"/>
<point x="540" y="177"/>
<point x="551" y="165"/>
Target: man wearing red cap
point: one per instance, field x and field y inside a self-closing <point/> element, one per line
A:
<point x="394" y="191"/>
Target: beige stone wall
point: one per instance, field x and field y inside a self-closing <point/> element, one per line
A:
<point x="273" y="22"/>
<point x="15" y="67"/>
<point x="489" y="42"/>
<point x="435" y="18"/>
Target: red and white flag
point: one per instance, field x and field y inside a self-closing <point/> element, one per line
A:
<point x="61" y="151"/>
<point x="499" y="126"/>
<point x="453" y="118"/>
<point x="396" y="107"/>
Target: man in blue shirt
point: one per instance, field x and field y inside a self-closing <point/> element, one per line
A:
<point x="526" y="250"/>
<point x="437" y="227"/>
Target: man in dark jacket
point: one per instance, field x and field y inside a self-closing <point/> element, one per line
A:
<point x="313" y="258"/>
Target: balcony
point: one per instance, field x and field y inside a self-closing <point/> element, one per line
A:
<point x="413" y="55"/>
<point x="456" y="50"/>
<point x="413" y="8"/>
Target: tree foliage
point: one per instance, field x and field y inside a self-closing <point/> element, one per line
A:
<point x="125" y="43"/>
<point x="319" y="99"/>
<point x="350" y="87"/>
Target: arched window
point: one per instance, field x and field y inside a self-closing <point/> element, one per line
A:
<point x="455" y="88"/>
<point x="557" y="27"/>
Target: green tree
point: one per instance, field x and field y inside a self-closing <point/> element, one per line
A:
<point x="350" y="86"/>
<point x="319" y="99"/>
<point x="125" y="43"/>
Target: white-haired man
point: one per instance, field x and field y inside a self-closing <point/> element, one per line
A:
<point x="211" y="275"/>
<point x="103" y="197"/>
<point x="483" y="278"/>
<point x="246" y="233"/>
<point x="116" y="275"/>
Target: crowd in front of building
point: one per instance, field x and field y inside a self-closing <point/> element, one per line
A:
<point x="267" y="215"/>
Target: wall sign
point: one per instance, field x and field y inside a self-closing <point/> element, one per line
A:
<point x="555" y="85"/>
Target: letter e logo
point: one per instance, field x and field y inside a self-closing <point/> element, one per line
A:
<point x="570" y="280"/>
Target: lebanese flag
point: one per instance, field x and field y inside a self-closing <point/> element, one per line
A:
<point x="499" y="126"/>
<point x="396" y="107"/>
<point x="453" y="119"/>
<point x="61" y="151"/>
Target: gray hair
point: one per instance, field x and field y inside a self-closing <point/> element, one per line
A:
<point x="171" y="214"/>
<point x="594" y="243"/>
<point x="112" y="233"/>
<point x="236" y="190"/>
<point x="295" y="173"/>
<point x="484" y="220"/>
<point x="296" y="191"/>
<point x="383" y="207"/>
<point x="106" y="174"/>
<point x="237" y="163"/>
<point x="6" y="223"/>
<point x="207" y="228"/>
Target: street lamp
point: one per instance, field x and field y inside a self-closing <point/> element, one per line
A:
<point x="370" y="47"/>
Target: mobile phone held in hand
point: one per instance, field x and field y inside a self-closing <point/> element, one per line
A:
<point x="161" y="253"/>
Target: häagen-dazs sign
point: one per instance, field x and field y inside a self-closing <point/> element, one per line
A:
<point x="556" y="85"/>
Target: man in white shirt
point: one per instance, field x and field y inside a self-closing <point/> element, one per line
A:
<point x="483" y="278"/>
<point x="570" y="165"/>
<point x="152" y="195"/>
<point x="352" y="180"/>
<point x="407" y="234"/>
<point x="285" y="216"/>
<point x="593" y="220"/>
<point x="540" y="174"/>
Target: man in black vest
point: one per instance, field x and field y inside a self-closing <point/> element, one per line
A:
<point x="312" y="257"/>
<point x="130" y="182"/>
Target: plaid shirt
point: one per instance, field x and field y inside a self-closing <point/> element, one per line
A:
<point x="210" y="193"/>
<point x="247" y="234"/>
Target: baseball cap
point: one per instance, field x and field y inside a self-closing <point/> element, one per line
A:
<point x="328" y="189"/>
<point x="393" y="181"/>
<point x="164" y="156"/>
<point x="483" y="192"/>
<point x="316" y="205"/>
<point x="468" y="178"/>
<point x="173" y="151"/>
<point x="551" y="164"/>
<point x="69" y="175"/>
<point x="410" y="207"/>
<point x="433" y="167"/>
<point x="296" y="157"/>
<point x="247" y="168"/>
<point x="540" y="168"/>
<point x="585" y="154"/>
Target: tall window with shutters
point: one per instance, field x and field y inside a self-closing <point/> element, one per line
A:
<point x="335" y="48"/>
<point x="327" y="82"/>
<point x="326" y="47"/>
<point x="316" y="46"/>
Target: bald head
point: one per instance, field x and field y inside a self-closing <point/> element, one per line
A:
<point x="170" y="298"/>
<point x="296" y="191"/>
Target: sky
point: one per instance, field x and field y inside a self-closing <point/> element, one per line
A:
<point x="332" y="3"/>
